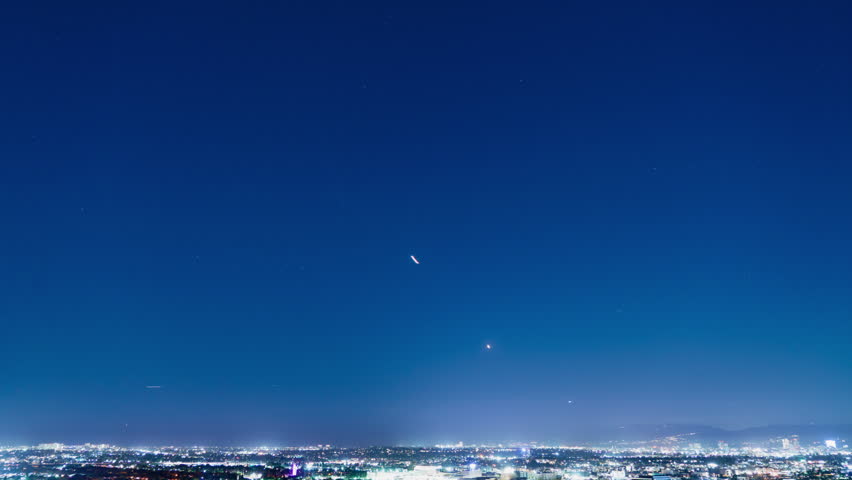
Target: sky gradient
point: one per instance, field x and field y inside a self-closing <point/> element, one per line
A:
<point x="643" y="207"/>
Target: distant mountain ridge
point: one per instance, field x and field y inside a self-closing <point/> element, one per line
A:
<point x="704" y="433"/>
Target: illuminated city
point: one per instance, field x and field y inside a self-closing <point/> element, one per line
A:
<point x="674" y="458"/>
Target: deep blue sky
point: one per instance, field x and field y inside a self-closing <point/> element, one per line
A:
<point x="643" y="207"/>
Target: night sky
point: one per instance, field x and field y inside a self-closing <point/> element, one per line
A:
<point x="643" y="207"/>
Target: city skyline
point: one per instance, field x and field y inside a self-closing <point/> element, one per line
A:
<point x="450" y="462"/>
<point x="680" y="444"/>
<point x="673" y="438"/>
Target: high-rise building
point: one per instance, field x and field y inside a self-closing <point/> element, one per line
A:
<point x="50" y="446"/>
<point x="794" y="442"/>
